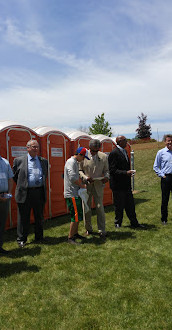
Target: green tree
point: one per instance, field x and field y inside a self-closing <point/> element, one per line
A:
<point x="144" y="130"/>
<point x="101" y="126"/>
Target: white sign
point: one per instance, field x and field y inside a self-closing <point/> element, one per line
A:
<point x="56" y="152"/>
<point x="18" y="151"/>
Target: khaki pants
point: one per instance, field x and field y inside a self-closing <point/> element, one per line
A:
<point x="98" y="199"/>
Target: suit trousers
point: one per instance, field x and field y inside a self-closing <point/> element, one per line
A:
<point x="34" y="200"/>
<point x="4" y="209"/>
<point x="123" y="200"/>
<point x="98" y="200"/>
<point x="166" y="187"/>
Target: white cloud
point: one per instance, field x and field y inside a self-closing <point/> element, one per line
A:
<point x="119" y="72"/>
<point x="33" y="41"/>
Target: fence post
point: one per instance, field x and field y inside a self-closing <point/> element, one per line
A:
<point x="132" y="168"/>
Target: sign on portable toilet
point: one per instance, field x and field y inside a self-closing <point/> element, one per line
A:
<point x="55" y="147"/>
<point x="107" y="145"/>
<point x="78" y="139"/>
<point x="13" y="140"/>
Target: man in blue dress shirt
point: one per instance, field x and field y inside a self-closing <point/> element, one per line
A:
<point x="30" y="173"/>
<point x="163" y="168"/>
<point x="6" y="184"/>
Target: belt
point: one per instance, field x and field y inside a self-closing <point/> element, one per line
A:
<point x="34" y="188"/>
<point x="3" y="192"/>
<point x="168" y="174"/>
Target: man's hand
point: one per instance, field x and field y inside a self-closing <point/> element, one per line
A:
<point x="131" y="172"/>
<point x="90" y="180"/>
<point x="104" y="180"/>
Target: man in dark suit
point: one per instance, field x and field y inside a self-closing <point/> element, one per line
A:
<point x="30" y="173"/>
<point x="120" y="183"/>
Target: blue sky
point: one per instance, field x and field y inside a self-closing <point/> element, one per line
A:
<point x="63" y="62"/>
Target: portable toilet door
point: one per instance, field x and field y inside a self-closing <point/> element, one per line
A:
<point x="13" y="140"/>
<point x="78" y="139"/>
<point x="55" y="146"/>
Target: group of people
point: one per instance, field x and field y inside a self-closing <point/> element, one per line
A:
<point x="87" y="170"/>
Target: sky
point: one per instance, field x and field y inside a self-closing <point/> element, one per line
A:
<point x="63" y="62"/>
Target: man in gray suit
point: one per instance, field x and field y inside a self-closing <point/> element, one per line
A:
<point x="30" y="173"/>
<point x="95" y="173"/>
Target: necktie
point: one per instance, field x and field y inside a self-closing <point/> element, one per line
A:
<point x="125" y="154"/>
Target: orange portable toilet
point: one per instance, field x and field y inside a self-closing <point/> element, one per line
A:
<point x="13" y="140"/>
<point x="55" y="147"/>
<point x="107" y="145"/>
<point x="78" y="139"/>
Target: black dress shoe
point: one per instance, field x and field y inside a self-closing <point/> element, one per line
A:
<point x="102" y="235"/>
<point x="2" y="251"/>
<point x="138" y="225"/>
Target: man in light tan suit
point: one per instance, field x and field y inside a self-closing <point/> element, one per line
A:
<point x="95" y="173"/>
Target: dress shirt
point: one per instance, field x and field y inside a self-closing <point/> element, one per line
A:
<point x="163" y="162"/>
<point x="5" y="174"/>
<point x="123" y="151"/>
<point x="35" y="178"/>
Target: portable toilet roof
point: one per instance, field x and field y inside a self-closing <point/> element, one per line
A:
<point x="4" y="124"/>
<point x="43" y="130"/>
<point x="101" y="137"/>
<point x="74" y="135"/>
<point x="78" y="139"/>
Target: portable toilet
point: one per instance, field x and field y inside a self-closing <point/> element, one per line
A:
<point x="13" y="140"/>
<point x="55" y="147"/>
<point x="78" y="139"/>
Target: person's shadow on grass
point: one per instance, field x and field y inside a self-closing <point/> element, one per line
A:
<point x="8" y="269"/>
<point x="19" y="253"/>
<point x="48" y="240"/>
<point x="146" y="227"/>
<point x="120" y="235"/>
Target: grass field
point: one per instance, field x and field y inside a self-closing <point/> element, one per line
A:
<point x="124" y="283"/>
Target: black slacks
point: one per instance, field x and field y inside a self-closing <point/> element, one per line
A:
<point x="35" y="201"/>
<point x="166" y="187"/>
<point x="123" y="200"/>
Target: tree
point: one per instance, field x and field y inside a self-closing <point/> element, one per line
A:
<point x="144" y="130"/>
<point x="101" y="126"/>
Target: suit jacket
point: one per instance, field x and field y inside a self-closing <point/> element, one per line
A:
<point x="88" y="168"/>
<point x="118" y="167"/>
<point x="20" y="170"/>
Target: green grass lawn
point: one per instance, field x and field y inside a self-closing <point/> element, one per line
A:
<point x="124" y="283"/>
